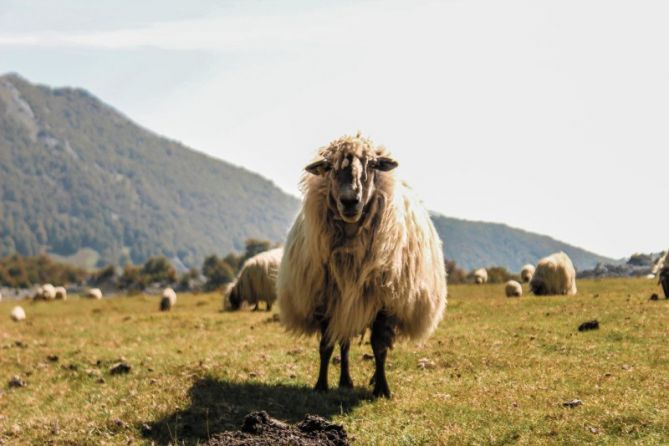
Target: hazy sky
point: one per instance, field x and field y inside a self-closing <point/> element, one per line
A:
<point x="551" y="116"/>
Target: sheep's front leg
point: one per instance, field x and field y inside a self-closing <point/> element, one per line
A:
<point x="383" y="334"/>
<point x="325" y="349"/>
<point x="345" y="380"/>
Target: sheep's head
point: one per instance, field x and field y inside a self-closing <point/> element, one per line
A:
<point x="231" y="298"/>
<point x="350" y="165"/>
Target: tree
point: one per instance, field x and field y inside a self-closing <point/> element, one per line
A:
<point x="159" y="270"/>
<point x="255" y="246"/>
<point x="218" y="272"/>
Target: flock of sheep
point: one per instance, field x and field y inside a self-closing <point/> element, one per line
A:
<point x="362" y="254"/>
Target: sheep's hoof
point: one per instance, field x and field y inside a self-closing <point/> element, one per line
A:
<point x="321" y="387"/>
<point x="381" y="391"/>
<point x="345" y="382"/>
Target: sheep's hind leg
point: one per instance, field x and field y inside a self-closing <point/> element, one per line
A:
<point x="325" y="349"/>
<point x="383" y="333"/>
<point x="345" y="380"/>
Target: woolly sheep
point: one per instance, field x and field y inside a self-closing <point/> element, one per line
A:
<point x="61" y="293"/>
<point x="526" y="273"/>
<point x="168" y="300"/>
<point x="664" y="274"/>
<point x="256" y="281"/>
<point x="362" y="253"/>
<point x="513" y="289"/>
<point x="45" y="292"/>
<point x="94" y="293"/>
<point x="554" y="274"/>
<point x="481" y="276"/>
<point x="0" y="297"/>
<point x="17" y="314"/>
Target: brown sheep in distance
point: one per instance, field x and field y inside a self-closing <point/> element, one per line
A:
<point x="362" y="253"/>
<point x="256" y="281"/>
<point x="554" y="274"/>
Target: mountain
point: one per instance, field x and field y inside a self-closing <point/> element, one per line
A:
<point x="81" y="181"/>
<point x="84" y="183"/>
<point x="474" y="244"/>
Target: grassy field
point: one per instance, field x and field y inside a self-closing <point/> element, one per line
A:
<point x="499" y="370"/>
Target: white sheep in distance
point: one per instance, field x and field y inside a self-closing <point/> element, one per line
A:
<point x="526" y="273"/>
<point x="61" y="293"/>
<point x="481" y="276"/>
<point x="18" y="314"/>
<point x="168" y="299"/>
<point x="554" y="274"/>
<point x="94" y="293"/>
<point x="256" y="281"/>
<point x="362" y="253"/>
<point x="513" y="289"/>
<point x="45" y="292"/>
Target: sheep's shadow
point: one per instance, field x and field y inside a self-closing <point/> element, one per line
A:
<point x="218" y="406"/>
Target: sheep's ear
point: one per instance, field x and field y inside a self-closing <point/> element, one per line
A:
<point x="318" y="167"/>
<point x="385" y="163"/>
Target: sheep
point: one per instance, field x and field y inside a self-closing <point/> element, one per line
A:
<point x="362" y="253"/>
<point x="481" y="276"/>
<point x="17" y="314"/>
<point x="513" y="289"/>
<point x="256" y="281"/>
<point x="45" y="292"/>
<point x="0" y="297"/>
<point x="61" y="293"/>
<point x="663" y="272"/>
<point x="94" y="293"/>
<point x="168" y="300"/>
<point x="526" y="273"/>
<point x="554" y="274"/>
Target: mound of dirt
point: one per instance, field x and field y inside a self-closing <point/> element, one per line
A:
<point x="258" y="428"/>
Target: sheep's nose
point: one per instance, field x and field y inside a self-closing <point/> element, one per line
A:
<point x="350" y="202"/>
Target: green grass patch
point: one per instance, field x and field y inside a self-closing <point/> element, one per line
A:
<point x="500" y="371"/>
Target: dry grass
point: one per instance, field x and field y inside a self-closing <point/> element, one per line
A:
<point x="499" y="372"/>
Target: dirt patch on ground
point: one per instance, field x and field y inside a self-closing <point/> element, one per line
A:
<point x="258" y="428"/>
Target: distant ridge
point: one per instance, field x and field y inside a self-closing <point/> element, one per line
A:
<point x="76" y="174"/>
<point x="474" y="244"/>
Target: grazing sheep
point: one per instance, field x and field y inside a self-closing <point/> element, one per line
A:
<point x="168" y="300"/>
<point x="17" y="314"/>
<point x="513" y="289"/>
<point x="526" y="273"/>
<point x="481" y="276"/>
<point x="0" y="297"/>
<point x="45" y="292"/>
<point x="362" y="253"/>
<point x="554" y="274"/>
<point x="663" y="272"/>
<point x="94" y="293"/>
<point x="256" y="281"/>
<point x="61" y="293"/>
